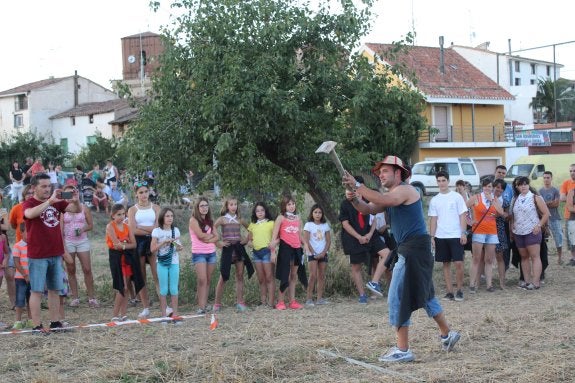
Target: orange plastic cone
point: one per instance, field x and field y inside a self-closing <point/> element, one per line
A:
<point x="213" y="322"/>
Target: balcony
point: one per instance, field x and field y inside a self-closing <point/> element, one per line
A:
<point x="462" y="133"/>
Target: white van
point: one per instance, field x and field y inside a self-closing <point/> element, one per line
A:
<point x="423" y="173"/>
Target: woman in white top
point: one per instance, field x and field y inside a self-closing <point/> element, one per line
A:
<point x="529" y="213"/>
<point x="142" y="219"/>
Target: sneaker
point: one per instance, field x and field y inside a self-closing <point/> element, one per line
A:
<point x="295" y="305"/>
<point x="363" y="299"/>
<point x="56" y="326"/>
<point x="116" y="319"/>
<point x="522" y="285"/>
<point x="309" y="303"/>
<point x="201" y="311"/>
<point x="241" y="308"/>
<point x="169" y="311"/>
<point x="217" y="308"/>
<point x="281" y="306"/>
<point x="459" y="296"/>
<point x="29" y="324"/>
<point x="124" y="318"/>
<point x="18" y="325"/>
<point x="490" y="289"/>
<point x="449" y="297"/>
<point x="472" y="289"/>
<point x="41" y="330"/>
<point x="571" y="262"/>
<point x="133" y="302"/>
<point x="396" y="355"/>
<point x="322" y="301"/>
<point x="530" y="287"/>
<point x="93" y="303"/>
<point x="374" y="287"/>
<point x="449" y="342"/>
<point x="75" y="302"/>
<point x="144" y="314"/>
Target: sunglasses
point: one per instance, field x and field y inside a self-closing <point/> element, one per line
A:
<point x="140" y="184"/>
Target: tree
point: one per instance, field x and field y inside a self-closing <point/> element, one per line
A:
<point x="100" y="151"/>
<point x="544" y="101"/>
<point x="258" y="85"/>
<point x="28" y="144"/>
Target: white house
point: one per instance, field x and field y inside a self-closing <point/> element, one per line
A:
<point x="518" y="75"/>
<point x="77" y="127"/>
<point x="28" y="107"/>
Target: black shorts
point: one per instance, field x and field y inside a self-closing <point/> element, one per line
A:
<point x="359" y="258"/>
<point x="448" y="250"/>
<point x="143" y="243"/>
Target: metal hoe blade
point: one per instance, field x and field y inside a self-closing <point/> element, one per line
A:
<point x="328" y="147"/>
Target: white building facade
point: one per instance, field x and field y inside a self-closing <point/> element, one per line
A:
<point x="28" y="108"/>
<point x="518" y="75"/>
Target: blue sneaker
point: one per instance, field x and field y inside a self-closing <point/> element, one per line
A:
<point x="396" y="355"/>
<point x="363" y="299"/>
<point x="374" y="287"/>
<point x="449" y="342"/>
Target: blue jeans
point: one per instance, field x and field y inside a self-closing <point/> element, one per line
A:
<point x="46" y="272"/>
<point x="432" y="306"/>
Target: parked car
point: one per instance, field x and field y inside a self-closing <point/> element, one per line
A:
<point x="423" y="173"/>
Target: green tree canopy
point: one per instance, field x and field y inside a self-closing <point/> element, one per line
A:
<point x="256" y="86"/>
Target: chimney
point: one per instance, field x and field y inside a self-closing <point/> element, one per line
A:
<point x="441" y="56"/>
<point x="75" y="88"/>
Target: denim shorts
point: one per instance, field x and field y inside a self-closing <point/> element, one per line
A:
<point x="432" y="306"/>
<point x="556" y="232"/>
<point x="263" y="255"/>
<point x="486" y="239"/>
<point x="22" y="292"/>
<point x="82" y="246"/>
<point x="209" y="258"/>
<point x="46" y="272"/>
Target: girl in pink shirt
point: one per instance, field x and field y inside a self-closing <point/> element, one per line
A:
<point x="288" y="233"/>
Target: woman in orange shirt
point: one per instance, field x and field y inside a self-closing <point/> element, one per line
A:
<point x="485" y="208"/>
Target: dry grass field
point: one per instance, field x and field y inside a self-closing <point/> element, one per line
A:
<point x="507" y="336"/>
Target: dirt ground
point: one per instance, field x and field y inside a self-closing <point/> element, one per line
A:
<point x="507" y="336"/>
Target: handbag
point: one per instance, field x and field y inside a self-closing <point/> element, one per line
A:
<point x="166" y="259"/>
<point x="545" y="228"/>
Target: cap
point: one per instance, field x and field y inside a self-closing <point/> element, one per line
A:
<point x="394" y="161"/>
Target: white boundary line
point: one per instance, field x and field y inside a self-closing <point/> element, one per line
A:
<point x="370" y="366"/>
<point x="110" y="324"/>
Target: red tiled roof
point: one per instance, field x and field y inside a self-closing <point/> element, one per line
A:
<point x="94" y="108"/>
<point x="460" y="78"/>
<point x="33" y="85"/>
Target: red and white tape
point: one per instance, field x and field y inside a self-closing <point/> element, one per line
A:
<point x="213" y="323"/>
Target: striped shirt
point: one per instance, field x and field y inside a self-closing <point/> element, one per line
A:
<point x="20" y="250"/>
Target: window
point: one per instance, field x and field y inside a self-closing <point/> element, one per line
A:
<point x="21" y="102"/>
<point x="143" y="57"/>
<point x="452" y="169"/>
<point x="532" y="68"/>
<point x="517" y="66"/>
<point x="532" y="82"/>
<point x="90" y="140"/>
<point x="18" y="120"/>
<point x="517" y="81"/>
<point x="73" y="120"/>
<point x="91" y="118"/>
<point x="561" y="136"/>
<point x="468" y="169"/>
<point x="548" y="70"/>
<point x="64" y="144"/>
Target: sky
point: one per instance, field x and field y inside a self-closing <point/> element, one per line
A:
<point x="54" y="38"/>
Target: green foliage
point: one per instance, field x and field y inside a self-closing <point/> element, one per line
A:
<point x="544" y="101"/>
<point x="23" y="145"/>
<point x="99" y="152"/>
<point x="248" y="90"/>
